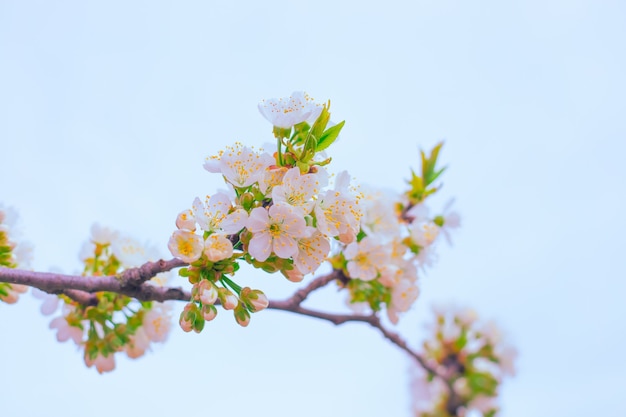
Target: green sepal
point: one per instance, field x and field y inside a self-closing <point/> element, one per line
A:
<point x="281" y="132"/>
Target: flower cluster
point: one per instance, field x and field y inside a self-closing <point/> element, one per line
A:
<point x="112" y="323"/>
<point x="280" y="213"/>
<point x="12" y="254"/>
<point x="396" y="239"/>
<point x="284" y="212"/>
<point x="472" y="357"/>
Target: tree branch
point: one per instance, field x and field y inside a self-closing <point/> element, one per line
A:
<point x="133" y="283"/>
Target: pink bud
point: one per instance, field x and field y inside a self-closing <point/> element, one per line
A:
<point x="228" y="299"/>
<point x="258" y="301"/>
<point x="207" y="292"/>
<point x="293" y="275"/>
<point x="209" y="312"/>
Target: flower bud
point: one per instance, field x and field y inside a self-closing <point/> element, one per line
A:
<point x="247" y="200"/>
<point x="227" y="298"/>
<point x="209" y="312"/>
<point x="207" y="293"/>
<point x="198" y="325"/>
<point x="242" y="317"/>
<point x="255" y="300"/>
<point x="293" y="275"/>
<point x="188" y="317"/>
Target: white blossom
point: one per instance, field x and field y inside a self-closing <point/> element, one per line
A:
<point x="275" y="230"/>
<point x="288" y="111"/>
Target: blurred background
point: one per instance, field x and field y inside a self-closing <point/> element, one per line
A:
<point x="108" y="109"/>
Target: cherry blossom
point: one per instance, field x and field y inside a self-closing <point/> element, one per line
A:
<point x="364" y="258"/>
<point x="288" y="111"/>
<point x="186" y="246"/>
<point x="241" y="166"/>
<point x="275" y="230"/>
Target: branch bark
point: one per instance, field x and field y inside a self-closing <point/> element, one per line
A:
<point x="133" y="283"/>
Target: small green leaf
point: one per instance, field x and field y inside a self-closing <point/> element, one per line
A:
<point x="320" y="124"/>
<point x="329" y="136"/>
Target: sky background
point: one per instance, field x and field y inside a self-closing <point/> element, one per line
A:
<point x="108" y="109"/>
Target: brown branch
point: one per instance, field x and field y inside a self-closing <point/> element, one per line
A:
<point x="373" y="320"/>
<point x="299" y="296"/>
<point x="132" y="282"/>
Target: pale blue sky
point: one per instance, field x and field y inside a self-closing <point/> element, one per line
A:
<point x="107" y="110"/>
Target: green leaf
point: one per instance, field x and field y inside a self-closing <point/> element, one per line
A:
<point x="329" y="136"/>
<point x="429" y="163"/>
<point x="321" y="122"/>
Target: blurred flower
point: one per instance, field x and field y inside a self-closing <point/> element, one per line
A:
<point x="101" y="362"/>
<point x="364" y="258"/>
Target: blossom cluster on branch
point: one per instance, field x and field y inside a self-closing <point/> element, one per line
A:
<point x="110" y="322"/>
<point x="473" y="359"/>
<point x="13" y="254"/>
<point x="283" y="211"/>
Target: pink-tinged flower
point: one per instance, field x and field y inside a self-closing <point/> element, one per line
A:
<point x="425" y="392"/>
<point x="277" y="230"/>
<point x="65" y="331"/>
<point x="186" y="246"/>
<point x="241" y="166"/>
<point x="214" y="215"/>
<point x="288" y="111"/>
<point x="337" y="211"/>
<point x="364" y="258"/>
<point x="418" y="213"/>
<point x="426" y="257"/>
<point x="102" y="363"/>
<point x="298" y="190"/>
<point x="272" y="177"/>
<point x="185" y="220"/>
<point x="23" y="253"/>
<point x="312" y="251"/>
<point x="138" y="344"/>
<point x="483" y="404"/>
<point x="449" y="220"/>
<point x="506" y="358"/>
<point x="423" y="233"/>
<point x="157" y="322"/>
<point x="50" y="301"/>
<point x="379" y="213"/>
<point x="13" y="292"/>
<point x="218" y="247"/>
<point x="403" y="295"/>
<point x="103" y="235"/>
<point x="131" y="252"/>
